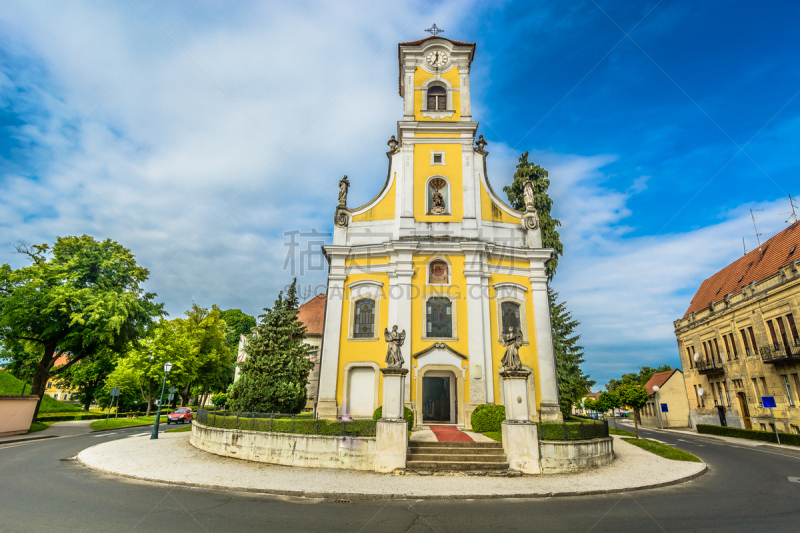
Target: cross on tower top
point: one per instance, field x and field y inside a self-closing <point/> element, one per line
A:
<point x="433" y="30"/>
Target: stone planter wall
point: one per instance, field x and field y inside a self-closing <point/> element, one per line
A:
<point x="16" y="413"/>
<point x="355" y="453"/>
<point x="560" y="457"/>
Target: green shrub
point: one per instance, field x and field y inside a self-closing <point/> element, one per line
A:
<point x="297" y="426"/>
<point x="487" y="417"/>
<point x="219" y="400"/>
<point x="408" y="414"/>
<point x="588" y="429"/>
<point x="752" y="434"/>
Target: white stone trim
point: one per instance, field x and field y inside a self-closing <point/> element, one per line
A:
<point x="435" y="153"/>
<point x="455" y="367"/>
<point x="500" y="203"/>
<point x="365" y="289"/>
<point x="511" y="292"/>
<point x="432" y="293"/>
<point x="346" y="380"/>
<point x="531" y="392"/>
<point x="381" y="195"/>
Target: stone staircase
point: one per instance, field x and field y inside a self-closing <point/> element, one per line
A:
<point x="455" y="456"/>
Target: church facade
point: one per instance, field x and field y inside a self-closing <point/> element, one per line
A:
<point x="440" y="255"/>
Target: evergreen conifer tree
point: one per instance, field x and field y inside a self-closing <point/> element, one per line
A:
<point x="273" y="377"/>
<point x="572" y="382"/>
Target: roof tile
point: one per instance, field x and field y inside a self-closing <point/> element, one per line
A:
<point x="312" y="314"/>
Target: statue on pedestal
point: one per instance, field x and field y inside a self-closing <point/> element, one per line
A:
<point x="344" y="184"/>
<point x="395" y="340"/>
<point x="527" y="191"/>
<point x="512" y="341"/>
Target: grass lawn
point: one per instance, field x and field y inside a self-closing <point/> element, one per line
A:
<point x="11" y="385"/>
<point x="496" y="435"/>
<point x="38" y="426"/>
<point x="117" y="423"/>
<point x="663" y="450"/>
<point x="179" y="429"/>
<point x="622" y="432"/>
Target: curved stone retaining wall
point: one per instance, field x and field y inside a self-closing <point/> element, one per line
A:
<point x="355" y="453"/>
<point x="559" y="457"/>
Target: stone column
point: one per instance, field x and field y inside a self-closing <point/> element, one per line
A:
<point x="408" y="89"/>
<point x="329" y="366"/>
<point x="520" y="435"/>
<point x="548" y="384"/>
<point x="466" y="107"/>
<point x="391" y="442"/>
<point x="400" y="296"/>
<point x="476" y="330"/>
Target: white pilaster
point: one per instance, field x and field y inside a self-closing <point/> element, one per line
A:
<point x="400" y="296"/>
<point x="466" y="106"/>
<point x="475" y="330"/>
<point x="408" y="89"/>
<point x="487" y="338"/>
<point x="327" y="406"/>
<point x="550" y="409"/>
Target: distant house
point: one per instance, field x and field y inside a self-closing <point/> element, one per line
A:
<point x="671" y="401"/>
<point x="56" y="388"/>
<point x="578" y="410"/>
<point x="312" y="315"/>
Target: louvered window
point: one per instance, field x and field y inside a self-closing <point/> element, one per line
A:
<point x="511" y="319"/>
<point x="437" y="98"/>
<point x="364" y="323"/>
<point x="439" y="318"/>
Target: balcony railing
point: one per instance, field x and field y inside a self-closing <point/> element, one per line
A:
<point x="709" y="367"/>
<point x="779" y="352"/>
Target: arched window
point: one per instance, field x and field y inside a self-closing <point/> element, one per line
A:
<point x="364" y="323"/>
<point x="439" y="318"/>
<point x="438" y="197"/>
<point x="438" y="273"/>
<point x="510" y="311"/>
<point x="437" y="98"/>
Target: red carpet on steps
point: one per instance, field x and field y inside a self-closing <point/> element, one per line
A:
<point x="450" y="434"/>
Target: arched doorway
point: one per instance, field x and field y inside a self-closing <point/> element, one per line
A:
<point x="439" y="397"/>
<point x="745" y="411"/>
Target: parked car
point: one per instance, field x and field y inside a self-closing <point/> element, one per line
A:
<point x="182" y="415"/>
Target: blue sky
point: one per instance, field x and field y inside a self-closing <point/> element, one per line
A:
<point x="198" y="133"/>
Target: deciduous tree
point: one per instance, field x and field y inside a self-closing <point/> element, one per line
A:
<point x="76" y="299"/>
<point x="634" y="396"/>
<point x="611" y="401"/>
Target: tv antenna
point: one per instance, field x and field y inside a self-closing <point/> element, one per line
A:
<point x="758" y="235"/>
<point x="793" y="217"/>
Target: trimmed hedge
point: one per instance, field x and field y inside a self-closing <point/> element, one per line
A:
<point x="408" y="414"/>
<point x="67" y="418"/>
<point x="752" y="434"/>
<point x="487" y="418"/>
<point x="297" y="426"/>
<point x="586" y="430"/>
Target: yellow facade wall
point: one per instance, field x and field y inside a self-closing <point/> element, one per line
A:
<point x="420" y="77"/>
<point x="362" y="350"/>
<point x="383" y="210"/>
<point x="452" y="170"/>
<point x="491" y="211"/>
<point x="528" y="354"/>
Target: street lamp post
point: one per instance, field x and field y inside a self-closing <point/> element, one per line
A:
<point x="658" y="407"/>
<point x="167" y="368"/>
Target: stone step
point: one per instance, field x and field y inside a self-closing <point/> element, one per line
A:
<point x="462" y="458"/>
<point x="453" y="465"/>
<point x="442" y="450"/>
<point x="418" y="444"/>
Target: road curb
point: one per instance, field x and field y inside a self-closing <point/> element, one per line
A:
<point x="123" y="427"/>
<point x="363" y="496"/>
<point x="4" y="443"/>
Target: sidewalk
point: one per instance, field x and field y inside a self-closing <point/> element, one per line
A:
<point x="633" y="469"/>
<point x="58" y="429"/>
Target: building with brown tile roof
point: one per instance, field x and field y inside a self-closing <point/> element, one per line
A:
<point x="668" y="406"/>
<point x="739" y="341"/>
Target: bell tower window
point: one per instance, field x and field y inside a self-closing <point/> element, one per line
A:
<point x="437" y="98"/>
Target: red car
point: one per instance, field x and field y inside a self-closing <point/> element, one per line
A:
<point x="182" y="415"/>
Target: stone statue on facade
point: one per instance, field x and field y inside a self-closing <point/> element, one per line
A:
<point x="344" y="184"/>
<point x="527" y="191"/>
<point x="395" y="340"/>
<point x="512" y="341"/>
<point x="438" y="200"/>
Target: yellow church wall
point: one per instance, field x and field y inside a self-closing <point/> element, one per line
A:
<point x="421" y="76"/>
<point x="500" y="261"/>
<point x="528" y="353"/>
<point x="457" y="291"/>
<point x="367" y="260"/>
<point x="362" y="349"/>
<point x="452" y="170"/>
<point x="384" y="209"/>
<point x="491" y="211"/>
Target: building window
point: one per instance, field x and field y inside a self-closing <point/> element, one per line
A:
<point x="49" y="384"/>
<point x="764" y="386"/>
<point x="438" y="273"/>
<point x="727" y="396"/>
<point x="437" y="158"/>
<point x="763" y="427"/>
<point x="439" y="318"/>
<point x="772" y="334"/>
<point x="782" y="331"/>
<point x="788" y="389"/>
<point x="689" y="351"/>
<point x="793" y="328"/>
<point x="733" y="343"/>
<point x="55" y="396"/>
<point x="796" y="380"/>
<point x="753" y="339"/>
<point x="746" y="343"/>
<point x="510" y="311"/>
<point x="364" y="319"/>
<point x="795" y="429"/>
<point x="758" y="394"/>
<point x="437" y="98"/>
<point x="698" y="398"/>
<point x="716" y="345"/>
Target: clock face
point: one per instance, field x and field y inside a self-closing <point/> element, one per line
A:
<point x="436" y="59"/>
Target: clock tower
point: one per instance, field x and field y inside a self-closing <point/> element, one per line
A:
<point x="440" y="255"/>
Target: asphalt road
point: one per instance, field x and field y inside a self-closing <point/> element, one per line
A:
<point x="747" y="489"/>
